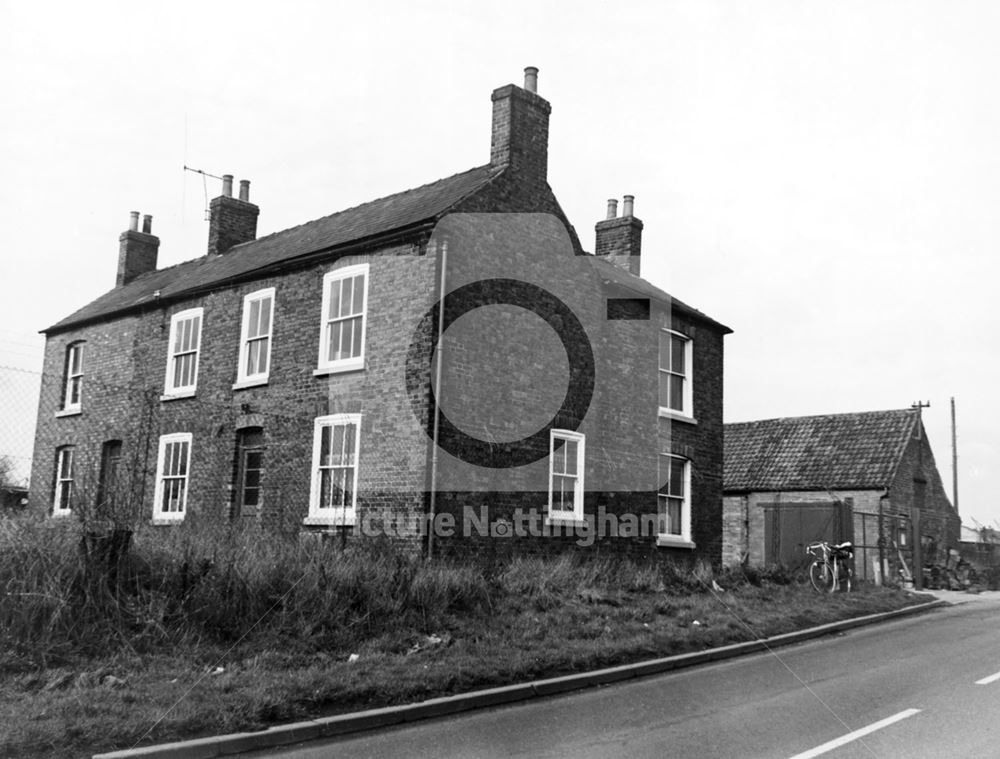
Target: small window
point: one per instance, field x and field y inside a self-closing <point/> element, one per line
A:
<point x="255" y="338"/>
<point x="674" y="499"/>
<point x="182" y="358"/>
<point x="333" y="495"/>
<point x="73" y="392"/>
<point x="342" y="330"/>
<point x="566" y="461"/>
<point x="62" y="502"/>
<point x="675" y="373"/>
<point x="249" y="471"/>
<point x="172" y="470"/>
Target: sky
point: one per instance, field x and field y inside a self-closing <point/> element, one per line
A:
<point x="822" y="177"/>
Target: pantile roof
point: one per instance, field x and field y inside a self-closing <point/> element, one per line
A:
<point x="836" y="451"/>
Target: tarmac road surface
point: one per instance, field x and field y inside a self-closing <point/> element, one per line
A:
<point x="924" y="686"/>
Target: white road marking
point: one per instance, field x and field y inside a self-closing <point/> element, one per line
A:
<point x="988" y="680"/>
<point x="845" y="739"/>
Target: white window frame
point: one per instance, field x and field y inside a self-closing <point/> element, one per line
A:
<point x="686" y="413"/>
<point x="73" y="379"/>
<point x="184" y="391"/>
<point x="59" y="507"/>
<point x="683" y="540"/>
<point x="342" y="516"/>
<point x="324" y="365"/>
<point x="243" y="377"/>
<point x="575" y="514"/>
<point x="165" y="440"/>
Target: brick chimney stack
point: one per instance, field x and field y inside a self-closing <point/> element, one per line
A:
<point x="619" y="239"/>
<point x="231" y="220"/>
<point x="520" y="137"/>
<point x="137" y="250"/>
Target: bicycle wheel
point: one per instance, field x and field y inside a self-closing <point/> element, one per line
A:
<point x="821" y="576"/>
<point x="844" y="575"/>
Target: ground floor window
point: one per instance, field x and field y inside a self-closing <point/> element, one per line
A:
<point x="62" y="502"/>
<point x="674" y="499"/>
<point x="566" y="461"/>
<point x="172" y="472"/>
<point x="249" y="471"/>
<point x="333" y="494"/>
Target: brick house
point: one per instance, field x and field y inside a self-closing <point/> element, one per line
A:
<point x="395" y="366"/>
<point x="866" y="477"/>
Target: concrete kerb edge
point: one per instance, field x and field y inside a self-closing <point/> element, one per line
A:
<point x="280" y="735"/>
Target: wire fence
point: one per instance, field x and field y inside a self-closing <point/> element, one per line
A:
<point x="19" y="389"/>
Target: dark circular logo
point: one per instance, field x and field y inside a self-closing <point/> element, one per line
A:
<point x="559" y="316"/>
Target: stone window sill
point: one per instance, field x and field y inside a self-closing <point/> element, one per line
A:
<point x="666" y="413"/>
<point x="352" y="365"/>
<point x="340" y="521"/>
<point x="558" y="521"/>
<point x="244" y="384"/>
<point x="178" y="395"/>
<point x="672" y="541"/>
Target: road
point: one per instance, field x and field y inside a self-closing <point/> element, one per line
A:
<point x="925" y="686"/>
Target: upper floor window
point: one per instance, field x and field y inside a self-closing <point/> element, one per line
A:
<point x="182" y="356"/>
<point x="333" y="495"/>
<point x="674" y="499"/>
<point x="62" y="502"/>
<point x="73" y="391"/>
<point x="255" y="338"/>
<point x="342" y="330"/>
<point x="566" y="460"/>
<point x="173" y="463"/>
<point x="675" y="373"/>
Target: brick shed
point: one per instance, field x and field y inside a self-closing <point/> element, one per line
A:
<point x="867" y="477"/>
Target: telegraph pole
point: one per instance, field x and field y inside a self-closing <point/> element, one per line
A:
<point x="954" y="458"/>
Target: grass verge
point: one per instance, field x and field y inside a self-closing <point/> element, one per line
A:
<point x="206" y="633"/>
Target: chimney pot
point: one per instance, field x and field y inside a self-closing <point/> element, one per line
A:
<point x="231" y="221"/>
<point x="619" y="240"/>
<point x="137" y="252"/>
<point x="531" y="79"/>
<point x="520" y="136"/>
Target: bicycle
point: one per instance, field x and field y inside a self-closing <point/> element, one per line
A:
<point x="832" y="567"/>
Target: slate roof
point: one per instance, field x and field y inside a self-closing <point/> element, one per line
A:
<point x="393" y="213"/>
<point x="837" y="451"/>
<point x="382" y="216"/>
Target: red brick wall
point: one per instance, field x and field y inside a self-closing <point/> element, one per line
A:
<point x="126" y="358"/>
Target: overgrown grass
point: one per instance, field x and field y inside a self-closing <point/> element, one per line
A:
<point x="301" y="629"/>
<point x="213" y="585"/>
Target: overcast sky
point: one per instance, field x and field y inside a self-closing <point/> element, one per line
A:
<point x="823" y="177"/>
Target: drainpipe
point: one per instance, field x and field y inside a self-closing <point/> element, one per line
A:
<point x="439" y="351"/>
